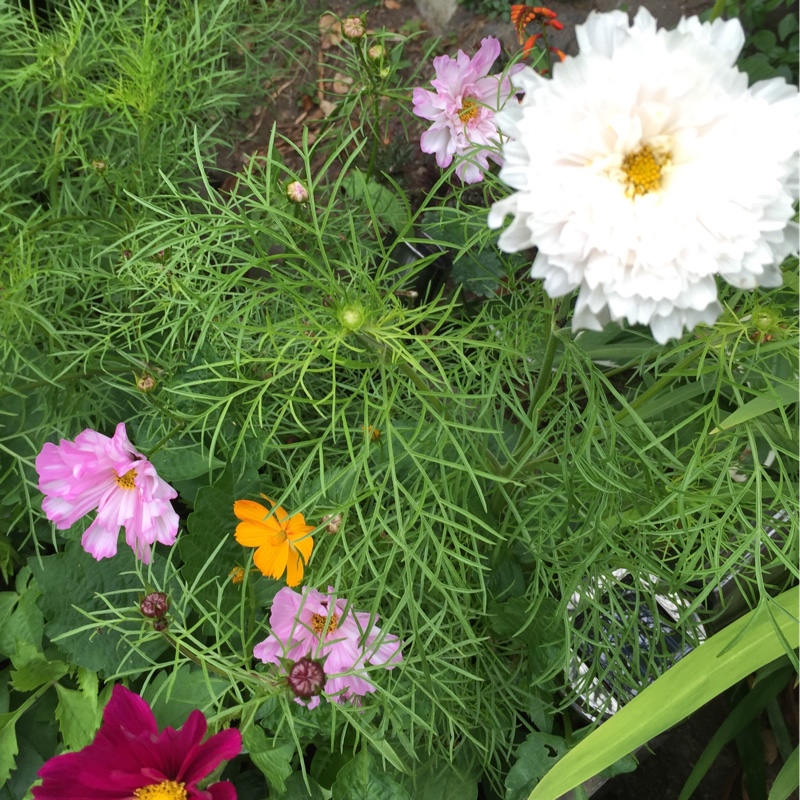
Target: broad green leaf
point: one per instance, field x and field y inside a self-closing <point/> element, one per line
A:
<point x="718" y="663"/>
<point x="273" y="759"/>
<point x="8" y="745"/>
<point x="181" y="464"/>
<point x="535" y="756"/>
<point x="78" y="717"/>
<point x="363" y="779"/>
<point x="780" y="397"/>
<point x="211" y="526"/>
<point x="71" y="582"/>
<point x="20" y="616"/>
<point x="8" y="736"/>
<point x="296" y="789"/>
<point x="440" y="780"/>
<point x="787" y="780"/>
<point x="174" y="695"/>
<point x="32" y="669"/>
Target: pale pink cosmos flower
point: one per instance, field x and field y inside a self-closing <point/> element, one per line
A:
<point x="107" y="474"/>
<point x="314" y="625"/>
<point x="462" y="110"/>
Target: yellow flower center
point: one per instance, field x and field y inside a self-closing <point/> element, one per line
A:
<point x="644" y="170"/>
<point x="126" y="481"/>
<point x="318" y="623"/>
<point x="166" y="790"/>
<point x="469" y="110"/>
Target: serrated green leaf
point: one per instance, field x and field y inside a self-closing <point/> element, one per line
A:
<point x="88" y="682"/>
<point x="78" y="717"/>
<point x="535" y="756"/>
<point x="8" y="745"/>
<point x="32" y="669"/>
<point x="8" y="736"/>
<point x="274" y="760"/>
<point x="478" y="273"/>
<point x="20" y="616"/>
<point x="362" y="779"/>
<point x="380" y="200"/>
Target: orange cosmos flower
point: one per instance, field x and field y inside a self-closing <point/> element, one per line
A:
<point x="282" y="541"/>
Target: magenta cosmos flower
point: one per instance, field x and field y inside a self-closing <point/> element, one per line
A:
<point x="462" y="110"/>
<point x="130" y="760"/>
<point x="95" y="472"/>
<point x="313" y="625"/>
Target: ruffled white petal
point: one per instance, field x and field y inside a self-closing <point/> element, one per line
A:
<point x="728" y="180"/>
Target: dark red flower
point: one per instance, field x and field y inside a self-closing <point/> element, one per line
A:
<point x="130" y="760"/>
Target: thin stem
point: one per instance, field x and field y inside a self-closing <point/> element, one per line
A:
<point x="161" y="442"/>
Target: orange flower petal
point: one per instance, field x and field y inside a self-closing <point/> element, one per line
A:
<point x="294" y="568"/>
<point x="296" y="526"/>
<point x="279" y="511"/>
<point x="305" y="546"/>
<point x="259" y="534"/>
<point x="250" y="510"/>
<point x="271" y="560"/>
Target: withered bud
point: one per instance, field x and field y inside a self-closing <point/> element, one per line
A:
<point x="154" y="605"/>
<point x="99" y="166"/>
<point x="160" y="625"/>
<point x="306" y="678"/>
<point x="353" y="27"/>
<point x="296" y="192"/>
<point x="334" y="522"/>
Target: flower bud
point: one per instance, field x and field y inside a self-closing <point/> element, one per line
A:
<point x="352" y="317"/>
<point x="353" y="28"/>
<point x="306" y="678"/>
<point x="99" y="166"/>
<point x="145" y="383"/>
<point x="296" y="192"/>
<point x="376" y="52"/>
<point x="160" y="625"/>
<point x="155" y="605"/>
<point x="334" y="522"/>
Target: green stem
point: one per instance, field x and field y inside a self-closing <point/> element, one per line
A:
<point x="161" y="442"/>
<point x="716" y="11"/>
<point x="527" y="435"/>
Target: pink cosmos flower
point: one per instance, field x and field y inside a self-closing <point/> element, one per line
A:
<point x="314" y="625"/>
<point x="462" y="110"/>
<point x="95" y="472"/>
<point x="130" y="760"/>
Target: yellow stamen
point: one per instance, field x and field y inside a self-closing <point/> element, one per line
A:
<point x="318" y="623"/>
<point x="166" y="790"/>
<point x="469" y="110"/>
<point x="644" y="170"/>
<point x="126" y="481"/>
